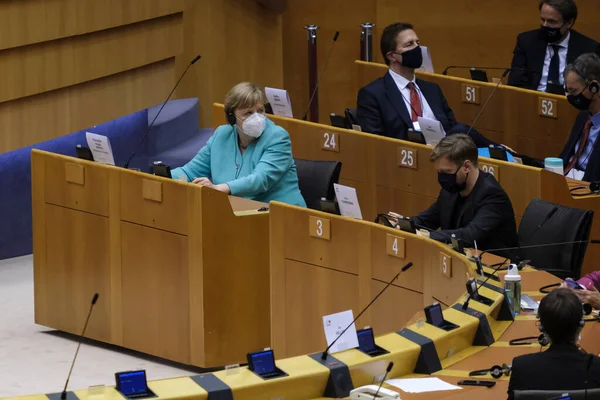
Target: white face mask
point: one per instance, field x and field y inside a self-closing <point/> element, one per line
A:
<point x="254" y="125"/>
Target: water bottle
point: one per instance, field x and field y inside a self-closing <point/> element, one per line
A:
<point x="512" y="287"/>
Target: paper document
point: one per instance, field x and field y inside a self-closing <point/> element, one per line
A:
<point x="100" y="148"/>
<point x="347" y="201"/>
<point x="432" y="130"/>
<point x="280" y="101"/>
<point x="421" y="385"/>
<point x="334" y="325"/>
<point x="427" y="65"/>
<point x="574" y="173"/>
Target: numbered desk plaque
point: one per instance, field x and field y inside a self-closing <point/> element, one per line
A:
<point x="490" y="169"/>
<point x="319" y="228"/>
<point x="547" y="108"/>
<point x="407" y="158"/>
<point x="395" y="246"/>
<point x="470" y="94"/>
<point x="446" y="265"/>
<point x="330" y="142"/>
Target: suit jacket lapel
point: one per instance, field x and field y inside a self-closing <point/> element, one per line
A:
<point x="538" y="57"/>
<point x="395" y="98"/>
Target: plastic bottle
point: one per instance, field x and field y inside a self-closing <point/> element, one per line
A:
<point x="512" y="287"/>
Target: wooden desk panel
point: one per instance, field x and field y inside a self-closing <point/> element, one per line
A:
<point x="76" y="186"/>
<point x="76" y="253"/>
<point x="493" y="355"/>
<point x="311" y="293"/>
<point x="154" y="274"/>
<point x="394" y="308"/>
<point x="148" y="201"/>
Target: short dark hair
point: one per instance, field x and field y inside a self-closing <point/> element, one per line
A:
<point x="457" y="148"/>
<point x="388" y="38"/>
<point x="560" y="313"/>
<point x="587" y="66"/>
<point x="566" y="8"/>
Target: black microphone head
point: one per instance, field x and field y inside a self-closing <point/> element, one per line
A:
<point x="195" y="59"/>
<point x="506" y="71"/>
<point x="594" y="241"/>
<point x="407" y="266"/>
<point x="324" y="355"/>
<point x="95" y="299"/>
<point x="337" y="34"/>
<point x="63" y="395"/>
<point x="587" y="309"/>
<point x="389" y="367"/>
<point x="466" y="303"/>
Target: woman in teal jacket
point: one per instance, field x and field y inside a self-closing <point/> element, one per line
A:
<point x="251" y="157"/>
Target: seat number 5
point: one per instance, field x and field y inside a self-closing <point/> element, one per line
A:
<point x="330" y="142"/>
<point x="446" y="265"/>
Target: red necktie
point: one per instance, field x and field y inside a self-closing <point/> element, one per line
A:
<point x="415" y="102"/>
<point x="582" y="143"/>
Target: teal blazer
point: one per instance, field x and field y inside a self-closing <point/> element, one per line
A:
<point x="265" y="171"/>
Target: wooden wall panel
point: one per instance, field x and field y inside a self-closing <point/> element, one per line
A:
<point x="239" y="41"/>
<point x="33" y="119"/>
<point x="26" y="22"/>
<point x="336" y="88"/>
<point x="461" y="32"/>
<point x="38" y="68"/>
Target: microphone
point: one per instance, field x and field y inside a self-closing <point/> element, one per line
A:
<point x="387" y="371"/>
<point x="506" y="71"/>
<point x="466" y="303"/>
<point x="335" y="38"/>
<point x="324" y="354"/>
<point x="492" y="68"/>
<point x="159" y="111"/>
<point x="63" y="395"/>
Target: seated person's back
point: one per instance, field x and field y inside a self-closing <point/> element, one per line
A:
<point x="471" y="205"/>
<point x="250" y="157"/>
<point x="563" y="366"/>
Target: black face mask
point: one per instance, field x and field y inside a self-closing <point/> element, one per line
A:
<point x="412" y="58"/>
<point x="550" y="35"/>
<point x="579" y="101"/>
<point x="448" y="182"/>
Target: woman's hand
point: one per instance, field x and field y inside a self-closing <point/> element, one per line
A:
<point x="221" y="187"/>
<point x="591" y="297"/>
<point x="203" y="182"/>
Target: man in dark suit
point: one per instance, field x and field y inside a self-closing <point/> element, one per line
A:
<point x="541" y="55"/>
<point x="392" y="104"/>
<point x="471" y="205"/>
<point x="581" y="155"/>
<point x="563" y="366"/>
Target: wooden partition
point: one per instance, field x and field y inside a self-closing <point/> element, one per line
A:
<point x="395" y="175"/>
<point x="533" y="123"/>
<point x="159" y="253"/>
<point x="343" y="264"/>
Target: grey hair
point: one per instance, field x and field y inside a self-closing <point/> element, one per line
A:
<point x="587" y="66"/>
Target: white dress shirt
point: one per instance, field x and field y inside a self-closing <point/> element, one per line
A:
<point x="562" y="54"/>
<point x="402" y="84"/>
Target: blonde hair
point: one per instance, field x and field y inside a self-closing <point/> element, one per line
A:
<point x="457" y="148"/>
<point x="244" y="95"/>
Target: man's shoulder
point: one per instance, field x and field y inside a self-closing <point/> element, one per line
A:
<point x="527" y="360"/>
<point x="376" y="86"/>
<point x="528" y="36"/>
<point x="584" y="41"/>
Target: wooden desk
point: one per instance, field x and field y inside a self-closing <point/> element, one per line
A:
<point x="330" y="281"/>
<point x="376" y="166"/>
<point x="159" y="253"/>
<point x="533" y="123"/>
